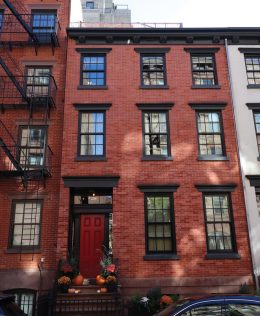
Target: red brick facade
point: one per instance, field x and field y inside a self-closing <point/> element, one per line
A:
<point x="190" y="271"/>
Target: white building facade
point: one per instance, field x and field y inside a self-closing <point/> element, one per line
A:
<point x="244" y="68"/>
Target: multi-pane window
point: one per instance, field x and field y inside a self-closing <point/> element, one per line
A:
<point x="257" y="128"/>
<point x="38" y="81"/>
<point x="253" y="69"/>
<point x="93" y="70"/>
<point x="90" y="5"/>
<point x="44" y="21"/>
<point x="92" y="134"/>
<point x="159" y="223"/>
<point x="219" y="223"/>
<point x="153" y="70"/>
<point x="156" y="134"/>
<point x="25" y="299"/>
<point x="25" y="232"/>
<point x="32" y="146"/>
<point x="210" y="133"/>
<point x="1" y="18"/>
<point x="203" y="70"/>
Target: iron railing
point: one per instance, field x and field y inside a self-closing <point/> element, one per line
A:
<point x="88" y="306"/>
<point x="13" y="32"/>
<point x="125" y="25"/>
<point x="37" y="90"/>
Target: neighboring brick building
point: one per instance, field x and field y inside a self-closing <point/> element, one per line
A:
<point x="135" y="103"/>
<point x="32" y="78"/>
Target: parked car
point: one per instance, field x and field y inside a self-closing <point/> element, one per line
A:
<point x="8" y="307"/>
<point x="218" y="306"/>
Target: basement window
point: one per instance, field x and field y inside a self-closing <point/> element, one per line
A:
<point x="90" y="5"/>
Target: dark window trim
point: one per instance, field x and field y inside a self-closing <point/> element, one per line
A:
<point x="19" y="292"/>
<point x="160" y="257"/>
<point x="2" y="20"/>
<point x="91" y="182"/>
<point x="91" y="157"/>
<point x="207" y="106"/>
<point x="222" y="136"/>
<point x="254" y="180"/>
<point x="22" y="248"/>
<point x="253" y="86"/>
<point x="257" y="111"/>
<point x="155" y="106"/>
<point x="201" y="54"/>
<point x="157" y="157"/>
<point x="206" y="87"/>
<point x="247" y="54"/>
<point x="90" y="54"/>
<point x="232" y="225"/>
<point x="253" y="106"/>
<point x="215" y="188"/>
<point x="153" y="54"/>
<point x="247" y="50"/>
<point x="222" y="256"/>
<point x="93" y="50"/>
<point x="147" y="50"/>
<point x="158" y="188"/>
<point x="201" y="50"/>
<point x="92" y="106"/>
<point x="173" y="228"/>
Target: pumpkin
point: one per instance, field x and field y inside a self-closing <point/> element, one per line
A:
<point x="78" y="280"/>
<point x="103" y="290"/>
<point x="100" y="280"/>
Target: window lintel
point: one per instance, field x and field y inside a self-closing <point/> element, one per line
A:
<point x="160" y="50"/>
<point x="93" y="50"/>
<point x="201" y="50"/>
<point x="155" y="106"/>
<point x="212" y="188"/>
<point x="246" y="50"/>
<point x="146" y="188"/>
<point x="208" y="106"/>
<point x="92" y="106"/>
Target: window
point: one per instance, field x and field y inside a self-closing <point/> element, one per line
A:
<point x="219" y="223"/>
<point x="89" y="5"/>
<point x="153" y="69"/>
<point x="1" y="18"/>
<point x="93" y="70"/>
<point x="253" y="69"/>
<point x="92" y="134"/>
<point x="203" y="70"/>
<point x="25" y="230"/>
<point x="38" y="81"/>
<point x="159" y="223"/>
<point x="44" y="21"/>
<point x="25" y="299"/>
<point x="156" y="134"/>
<point x="210" y="134"/>
<point x="32" y="146"/>
<point x="257" y="129"/>
<point x="258" y="201"/>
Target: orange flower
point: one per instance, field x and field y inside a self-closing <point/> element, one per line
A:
<point x="166" y="300"/>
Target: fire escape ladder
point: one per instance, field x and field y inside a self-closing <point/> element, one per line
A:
<point x="10" y="155"/>
<point x="12" y="77"/>
<point x="17" y="8"/>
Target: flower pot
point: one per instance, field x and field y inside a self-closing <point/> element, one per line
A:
<point x="78" y="280"/>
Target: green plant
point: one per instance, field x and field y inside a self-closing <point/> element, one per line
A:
<point x="244" y="289"/>
<point x="154" y="296"/>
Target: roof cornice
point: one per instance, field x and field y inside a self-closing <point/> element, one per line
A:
<point x="144" y="36"/>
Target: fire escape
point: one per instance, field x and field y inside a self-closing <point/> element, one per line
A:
<point x="33" y="92"/>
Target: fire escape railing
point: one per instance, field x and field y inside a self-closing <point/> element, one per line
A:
<point x="13" y="32"/>
<point x="25" y="161"/>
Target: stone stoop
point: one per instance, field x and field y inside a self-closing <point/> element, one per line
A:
<point x="88" y="302"/>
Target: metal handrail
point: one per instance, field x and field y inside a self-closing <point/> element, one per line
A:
<point x="81" y="24"/>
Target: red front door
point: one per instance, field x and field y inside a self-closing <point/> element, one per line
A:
<point x="91" y="241"/>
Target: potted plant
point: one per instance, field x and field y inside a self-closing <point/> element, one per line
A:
<point x="64" y="284"/>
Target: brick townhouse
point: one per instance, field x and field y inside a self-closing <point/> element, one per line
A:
<point x="122" y="137"/>
<point x="32" y="78"/>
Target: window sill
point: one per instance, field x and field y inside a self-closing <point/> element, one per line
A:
<point x="205" y="87"/>
<point x="159" y="158"/>
<point x="82" y="87"/>
<point x="213" y="158"/>
<point x="154" y="87"/>
<point x="16" y="251"/>
<point x="253" y="86"/>
<point x="222" y="256"/>
<point x="94" y="158"/>
<point x="258" y="158"/>
<point x="161" y="257"/>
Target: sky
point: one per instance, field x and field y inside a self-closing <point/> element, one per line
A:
<point x="195" y="13"/>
